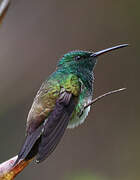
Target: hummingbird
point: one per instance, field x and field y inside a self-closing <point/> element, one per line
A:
<point x="59" y="103"/>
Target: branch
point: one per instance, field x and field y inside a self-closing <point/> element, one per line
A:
<point x="103" y="95"/>
<point x="8" y="171"/>
<point x="100" y="97"/>
<point x="4" y="5"/>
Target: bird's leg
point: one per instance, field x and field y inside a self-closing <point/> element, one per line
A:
<point x="99" y="98"/>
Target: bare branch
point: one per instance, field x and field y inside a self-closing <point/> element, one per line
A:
<point x="103" y="95"/>
<point x="4" y="5"/>
<point x="100" y="97"/>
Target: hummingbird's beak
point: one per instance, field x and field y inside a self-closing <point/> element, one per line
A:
<point x="108" y="50"/>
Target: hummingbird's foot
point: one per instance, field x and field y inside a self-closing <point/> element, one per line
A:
<point x="81" y="112"/>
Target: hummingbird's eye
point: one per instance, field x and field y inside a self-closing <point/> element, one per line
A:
<point x="77" y="58"/>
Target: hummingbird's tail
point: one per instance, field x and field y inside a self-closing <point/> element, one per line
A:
<point x="30" y="146"/>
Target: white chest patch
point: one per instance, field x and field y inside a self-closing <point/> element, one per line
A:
<point x="76" y="121"/>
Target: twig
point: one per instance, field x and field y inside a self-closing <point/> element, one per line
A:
<point x="4" y="5"/>
<point x="100" y="97"/>
<point x="103" y="95"/>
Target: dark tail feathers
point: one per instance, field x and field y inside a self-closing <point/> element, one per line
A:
<point x="30" y="146"/>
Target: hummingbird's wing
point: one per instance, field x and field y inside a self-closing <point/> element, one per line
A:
<point x="56" y="124"/>
<point x="45" y="138"/>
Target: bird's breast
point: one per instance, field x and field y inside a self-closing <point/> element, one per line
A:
<point x="77" y="118"/>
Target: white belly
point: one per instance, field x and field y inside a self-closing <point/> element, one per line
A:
<point x="76" y="121"/>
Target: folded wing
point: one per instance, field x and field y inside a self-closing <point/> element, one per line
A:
<point x="46" y="137"/>
<point x="56" y="124"/>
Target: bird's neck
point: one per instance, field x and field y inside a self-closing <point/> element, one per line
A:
<point x="85" y="75"/>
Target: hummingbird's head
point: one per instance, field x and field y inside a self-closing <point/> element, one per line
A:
<point x="76" y="61"/>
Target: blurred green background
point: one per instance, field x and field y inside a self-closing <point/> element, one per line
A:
<point x="34" y="35"/>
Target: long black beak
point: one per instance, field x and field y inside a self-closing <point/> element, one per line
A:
<point x="108" y="50"/>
